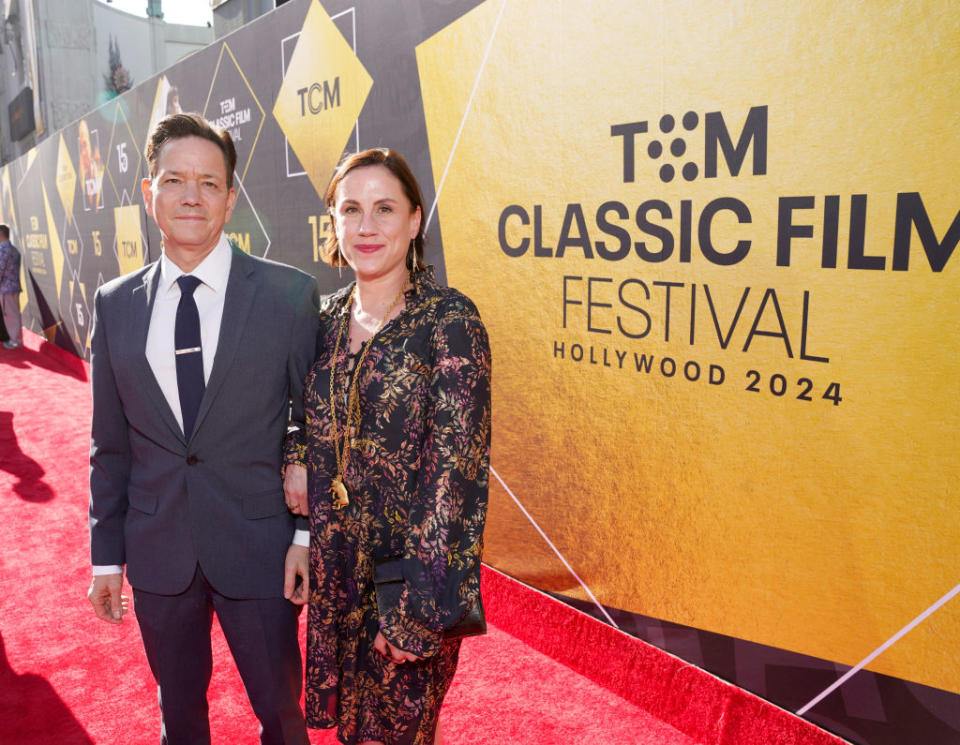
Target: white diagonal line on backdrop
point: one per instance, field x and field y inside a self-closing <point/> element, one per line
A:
<point x="880" y="650"/>
<point x="433" y="207"/>
<point x="555" y="549"/>
<point x="466" y="113"/>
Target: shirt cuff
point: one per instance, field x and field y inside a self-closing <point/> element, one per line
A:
<point x="101" y="570"/>
<point x="301" y="538"/>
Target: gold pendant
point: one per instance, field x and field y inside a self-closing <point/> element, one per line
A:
<point x="339" y="491"/>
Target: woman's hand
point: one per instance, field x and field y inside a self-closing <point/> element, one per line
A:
<point x="394" y="654"/>
<point x="295" y="489"/>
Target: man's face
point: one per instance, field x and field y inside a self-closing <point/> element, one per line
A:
<point x="189" y="198"/>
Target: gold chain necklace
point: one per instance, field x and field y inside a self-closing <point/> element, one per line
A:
<point x="341" y="449"/>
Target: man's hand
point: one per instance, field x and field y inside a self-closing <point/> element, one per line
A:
<point x="108" y="603"/>
<point x="296" y="565"/>
<point x="295" y="489"/>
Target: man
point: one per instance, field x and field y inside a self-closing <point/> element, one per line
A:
<point x="10" y="288"/>
<point x="197" y="367"/>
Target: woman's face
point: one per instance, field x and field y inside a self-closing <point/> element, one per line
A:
<point x="374" y="222"/>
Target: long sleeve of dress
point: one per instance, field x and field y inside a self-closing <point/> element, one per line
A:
<point x="441" y="559"/>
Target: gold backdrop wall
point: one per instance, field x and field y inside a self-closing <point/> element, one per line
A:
<point x="786" y="471"/>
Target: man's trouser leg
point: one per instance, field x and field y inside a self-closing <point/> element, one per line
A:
<point x="11" y="316"/>
<point x="262" y="635"/>
<point x="176" y="637"/>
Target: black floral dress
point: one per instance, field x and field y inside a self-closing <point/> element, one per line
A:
<point x="417" y="478"/>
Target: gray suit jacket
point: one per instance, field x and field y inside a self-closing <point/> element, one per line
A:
<point x="160" y="504"/>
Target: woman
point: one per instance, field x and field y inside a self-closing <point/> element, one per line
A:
<point x="397" y="449"/>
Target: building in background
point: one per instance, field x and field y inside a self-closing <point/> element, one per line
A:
<point x="229" y="15"/>
<point x="61" y="58"/>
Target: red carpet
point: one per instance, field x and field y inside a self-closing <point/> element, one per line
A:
<point x="544" y="674"/>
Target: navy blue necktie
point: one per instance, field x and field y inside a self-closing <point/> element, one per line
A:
<point x="186" y="340"/>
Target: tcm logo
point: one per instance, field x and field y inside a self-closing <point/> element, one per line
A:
<point x="666" y="145"/>
<point x="129" y="249"/>
<point x="318" y="97"/>
<point x="240" y="241"/>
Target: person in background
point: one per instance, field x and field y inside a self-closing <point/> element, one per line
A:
<point x="396" y="454"/>
<point x="10" y="289"/>
<point x="197" y="362"/>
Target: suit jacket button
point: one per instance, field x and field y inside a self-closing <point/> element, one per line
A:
<point x="192" y="460"/>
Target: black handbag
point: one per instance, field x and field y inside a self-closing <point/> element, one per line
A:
<point x="388" y="586"/>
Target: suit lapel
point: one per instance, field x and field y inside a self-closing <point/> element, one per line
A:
<point x="142" y="307"/>
<point x="241" y="291"/>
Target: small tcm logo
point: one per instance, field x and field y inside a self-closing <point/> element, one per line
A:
<point x="316" y="97"/>
<point x="670" y="145"/>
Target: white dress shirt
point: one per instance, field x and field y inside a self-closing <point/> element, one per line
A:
<point x="213" y="273"/>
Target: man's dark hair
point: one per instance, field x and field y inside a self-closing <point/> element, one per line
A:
<point x="176" y="126"/>
<point x="4" y="231"/>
